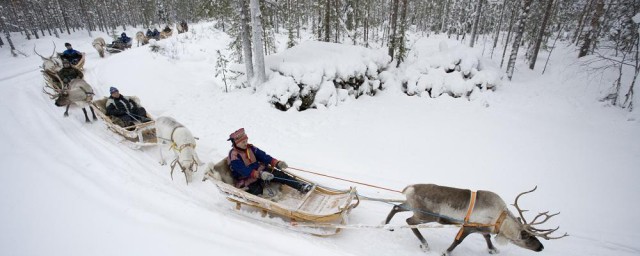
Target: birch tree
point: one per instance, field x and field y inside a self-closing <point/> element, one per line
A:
<point x="258" y="52"/>
<point x="524" y="13"/>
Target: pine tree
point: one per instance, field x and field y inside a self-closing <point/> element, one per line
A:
<point x="221" y="67"/>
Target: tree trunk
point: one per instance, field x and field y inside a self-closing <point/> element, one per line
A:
<point x="327" y="21"/>
<point x="506" y="43"/>
<point x="495" y="40"/>
<point x="402" y="51"/>
<point x="392" y="29"/>
<point x="246" y="38"/>
<point x="445" y="11"/>
<point x="524" y="13"/>
<point x="576" y="35"/>
<point x="86" y="17"/>
<point x="536" y="48"/>
<point x="474" y="31"/>
<point x="7" y="34"/>
<point x="592" y="35"/>
<point x="258" y="53"/>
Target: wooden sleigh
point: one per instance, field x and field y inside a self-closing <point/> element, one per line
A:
<point x="320" y="205"/>
<point x="139" y="134"/>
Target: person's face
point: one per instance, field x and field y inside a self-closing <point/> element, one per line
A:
<point x="68" y="47"/>
<point x="115" y="94"/>
<point x="242" y="144"/>
<point x="66" y="64"/>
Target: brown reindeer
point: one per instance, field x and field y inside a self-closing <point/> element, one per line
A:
<point x="99" y="45"/>
<point x="478" y="212"/>
<point x="78" y="92"/>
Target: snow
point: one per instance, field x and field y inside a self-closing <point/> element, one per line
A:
<point x="71" y="188"/>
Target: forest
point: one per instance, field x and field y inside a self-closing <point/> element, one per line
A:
<point x="604" y="32"/>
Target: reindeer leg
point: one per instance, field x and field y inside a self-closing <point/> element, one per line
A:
<point x="66" y="112"/>
<point x="396" y="209"/>
<point x="162" y="161"/>
<point x="93" y="113"/>
<point x="414" y="221"/>
<point x="492" y="249"/>
<point x="86" y="118"/>
<point x="456" y="242"/>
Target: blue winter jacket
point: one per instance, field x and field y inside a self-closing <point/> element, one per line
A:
<point x="71" y="54"/>
<point x="249" y="163"/>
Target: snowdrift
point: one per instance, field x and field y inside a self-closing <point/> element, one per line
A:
<point x="315" y="74"/>
<point x="456" y="71"/>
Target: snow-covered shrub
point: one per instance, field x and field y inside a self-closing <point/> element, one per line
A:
<point x="455" y="71"/>
<point x="319" y="74"/>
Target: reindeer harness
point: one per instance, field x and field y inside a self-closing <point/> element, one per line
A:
<point x="496" y="226"/>
<point x="179" y="149"/>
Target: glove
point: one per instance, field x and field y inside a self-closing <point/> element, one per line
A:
<point x="282" y="165"/>
<point x="266" y="176"/>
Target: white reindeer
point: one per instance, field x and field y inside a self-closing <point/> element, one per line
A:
<point x="51" y="64"/>
<point x="182" y="143"/>
<point x="99" y="45"/>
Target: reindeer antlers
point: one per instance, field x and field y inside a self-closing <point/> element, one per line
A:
<point x="530" y="226"/>
<point x="54" y="51"/>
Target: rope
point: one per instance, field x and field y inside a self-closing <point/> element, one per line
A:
<point x="352" y="181"/>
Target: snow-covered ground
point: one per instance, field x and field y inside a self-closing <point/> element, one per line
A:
<point x="71" y="188"/>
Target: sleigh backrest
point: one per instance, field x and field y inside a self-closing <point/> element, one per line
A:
<point x="222" y="167"/>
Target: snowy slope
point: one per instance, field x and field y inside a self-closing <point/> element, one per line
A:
<point x="70" y="188"/>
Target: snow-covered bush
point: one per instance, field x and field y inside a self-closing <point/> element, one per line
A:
<point x="456" y="71"/>
<point x="319" y="74"/>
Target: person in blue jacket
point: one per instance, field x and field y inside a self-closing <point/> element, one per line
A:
<point x="149" y="34"/>
<point x="71" y="55"/>
<point x="250" y="167"/>
<point x="124" y="38"/>
<point x="156" y="34"/>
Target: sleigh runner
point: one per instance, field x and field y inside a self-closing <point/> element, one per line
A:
<point x="140" y="134"/>
<point x="319" y="205"/>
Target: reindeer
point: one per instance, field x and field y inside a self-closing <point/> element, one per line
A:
<point x="99" y="45"/>
<point x="141" y="38"/>
<point x="478" y="212"/>
<point x="78" y="92"/>
<point x="51" y="63"/>
<point x="182" y="143"/>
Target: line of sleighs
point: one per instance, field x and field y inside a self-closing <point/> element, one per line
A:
<point x="322" y="209"/>
<point x="124" y="42"/>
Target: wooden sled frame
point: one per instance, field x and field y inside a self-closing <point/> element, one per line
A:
<point x="141" y="134"/>
<point x="320" y="205"/>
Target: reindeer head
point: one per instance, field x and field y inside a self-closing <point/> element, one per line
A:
<point x="525" y="234"/>
<point x="50" y="63"/>
<point x="187" y="160"/>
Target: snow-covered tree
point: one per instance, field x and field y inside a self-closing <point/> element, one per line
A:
<point x="258" y="52"/>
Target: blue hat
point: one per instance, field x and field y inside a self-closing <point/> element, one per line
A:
<point x="112" y="90"/>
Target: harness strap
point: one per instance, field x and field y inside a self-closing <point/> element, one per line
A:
<point x="472" y="203"/>
<point x="500" y="220"/>
<point x="496" y="226"/>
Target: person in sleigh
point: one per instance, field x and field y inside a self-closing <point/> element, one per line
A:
<point x="250" y="167"/>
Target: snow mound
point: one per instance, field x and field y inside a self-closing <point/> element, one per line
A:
<point x="319" y="74"/>
<point x="453" y="70"/>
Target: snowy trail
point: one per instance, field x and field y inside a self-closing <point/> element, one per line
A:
<point x="71" y="188"/>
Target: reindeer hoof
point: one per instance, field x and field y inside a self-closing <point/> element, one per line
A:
<point x="424" y="247"/>
<point x="494" y="251"/>
<point x="66" y="114"/>
<point x="95" y="119"/>
<point x="163" y="163"/>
